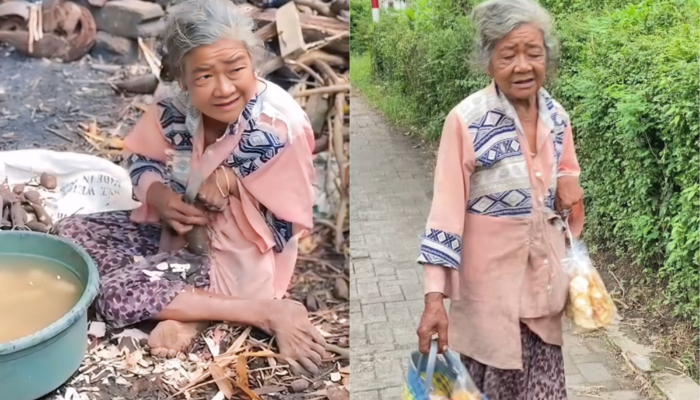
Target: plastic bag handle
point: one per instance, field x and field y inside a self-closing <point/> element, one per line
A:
<point x="429" y="366"/>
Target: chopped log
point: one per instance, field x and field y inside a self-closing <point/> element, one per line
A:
<point x="321" y="8"/>
<point x="314" y="28"/>
<point x="145" y="84"/>
<point x="317" y="109"/>
<point x="330" y="59"/>
<point x="289" y="31"/>
<point x="323" y="90"/>
<point x="267" y="32"/>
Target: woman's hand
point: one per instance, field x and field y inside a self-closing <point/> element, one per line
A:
<point x="569" y="192"/>
<point x="300" y="344"/>
<point x="172" y="210"/>
<point x="215" y="191"/>
<point x="434" y="321"/>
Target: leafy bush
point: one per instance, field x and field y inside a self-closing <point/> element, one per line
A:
<point x="632" y="89"/>
<point x="360" y="24"/>
<point x="629" y="79"/>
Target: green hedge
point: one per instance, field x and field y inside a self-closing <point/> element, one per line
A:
<point x="360" y="24"/>
<point x="629" y="78"/>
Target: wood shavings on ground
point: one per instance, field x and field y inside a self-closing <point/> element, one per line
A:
<point x="118" y="363"/>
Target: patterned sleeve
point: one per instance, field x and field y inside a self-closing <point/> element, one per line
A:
<point x="441" y="243"/>
<point x="137" y="165"/>
<point x="281" y="229"/>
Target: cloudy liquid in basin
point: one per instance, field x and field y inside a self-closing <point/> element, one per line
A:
<point x="34" y="293"/>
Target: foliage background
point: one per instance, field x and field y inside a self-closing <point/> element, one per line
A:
<point x="628" y="77"/>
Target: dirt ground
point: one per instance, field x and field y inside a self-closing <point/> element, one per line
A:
<point x="41" y="94"/>
<point x="639" y="302"/>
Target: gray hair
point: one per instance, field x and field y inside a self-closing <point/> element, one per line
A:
<point x="196" y="23"/>
<point x="495" y="19"/>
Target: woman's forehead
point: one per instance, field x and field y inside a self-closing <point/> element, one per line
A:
<point x="222" y="51"/>
<point x="528" y="34"/>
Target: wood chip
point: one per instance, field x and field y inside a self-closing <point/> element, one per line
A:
<point x="97" y="329"/>
<point x="222" y="380"/>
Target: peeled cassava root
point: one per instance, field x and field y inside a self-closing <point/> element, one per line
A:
<point x="23" y="209"/>
<point x="590" y="305"/>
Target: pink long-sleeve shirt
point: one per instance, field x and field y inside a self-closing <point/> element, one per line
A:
<point x="493" y="242"/>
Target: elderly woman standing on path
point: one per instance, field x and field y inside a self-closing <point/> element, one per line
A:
<point x="506" y="173"/>
<point x="254" y="143"/>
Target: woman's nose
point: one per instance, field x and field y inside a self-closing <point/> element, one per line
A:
<point x="224" y="87"/>
<point x="522" y="64"/>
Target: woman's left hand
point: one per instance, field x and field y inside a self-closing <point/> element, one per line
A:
<point x="215" y="191"/>
<point x="569" y="192"/>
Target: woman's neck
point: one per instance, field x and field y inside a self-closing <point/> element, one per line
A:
<point x="213" y="129"/>
<point x="525" y="108"/>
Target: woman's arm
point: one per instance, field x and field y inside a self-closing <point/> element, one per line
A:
<point x="569" y="191"/>
<point x="441" y="244"/>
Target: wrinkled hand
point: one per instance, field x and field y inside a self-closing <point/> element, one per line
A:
<point x="300" y="344"/>
<point x="172" y="210"/>
<point x="434" y="321"/>
<point x="221" y="181"/>
<point x="569" y="193"/>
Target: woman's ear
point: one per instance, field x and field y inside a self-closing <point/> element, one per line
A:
<point x="182" y="85"/>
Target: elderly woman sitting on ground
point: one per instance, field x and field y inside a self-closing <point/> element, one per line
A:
<point x="506" y="178"/>
<point x="253" y="145"/>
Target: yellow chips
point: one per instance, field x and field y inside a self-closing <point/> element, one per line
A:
<point x="590" y="305"/>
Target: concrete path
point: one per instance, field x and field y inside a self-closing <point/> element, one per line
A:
<point x="390" y="198"/>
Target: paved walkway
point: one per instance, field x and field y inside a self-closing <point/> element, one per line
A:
<point x="390" y="198"/>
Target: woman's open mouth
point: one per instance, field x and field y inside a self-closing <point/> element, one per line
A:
<point x="524" y="83"/>
<point x="228" y="105"/>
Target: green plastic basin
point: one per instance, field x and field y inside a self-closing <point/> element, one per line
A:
<point x="35" y="365"/>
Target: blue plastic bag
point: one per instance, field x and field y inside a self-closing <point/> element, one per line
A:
<point x="449" y="378"/>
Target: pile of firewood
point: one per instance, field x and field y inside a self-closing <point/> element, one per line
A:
<point x="312" y="46"/>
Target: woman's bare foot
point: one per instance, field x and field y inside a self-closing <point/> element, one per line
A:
<point x="300" y="343"/>
<point x="171" y="337"/>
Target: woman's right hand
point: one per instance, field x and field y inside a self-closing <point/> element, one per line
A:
<point x="172" y="210"/>
<point x="434" y="321"/>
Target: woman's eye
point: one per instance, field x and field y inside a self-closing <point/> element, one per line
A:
<point x="236" y="69"/>
<point x="204" y="77"/>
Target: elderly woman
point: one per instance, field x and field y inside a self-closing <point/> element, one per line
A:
<point x="253" y="145"/>
<point x="506" y="176"/>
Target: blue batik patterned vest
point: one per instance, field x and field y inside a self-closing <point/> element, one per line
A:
<point x="500" y="185"/>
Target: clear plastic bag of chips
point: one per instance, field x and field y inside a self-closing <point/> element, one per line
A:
<point x="590" y="306"/>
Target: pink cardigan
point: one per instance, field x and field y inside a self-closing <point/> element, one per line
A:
<point x="493" y="242"/>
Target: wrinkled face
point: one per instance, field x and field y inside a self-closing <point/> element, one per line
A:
<point x="519" y="62"/>
<point x="220" y="79"/>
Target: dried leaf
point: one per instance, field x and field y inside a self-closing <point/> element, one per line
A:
<point x="213" y="346"/>
<point x="247" y="391"/>
<point x="242" y="371"/>
<point x="219" y="396"/>
<point x="122" y="381"/>
<point x="222" y="380"/>
<point x="335" y="376"/>
<point x="132" y="333"/>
